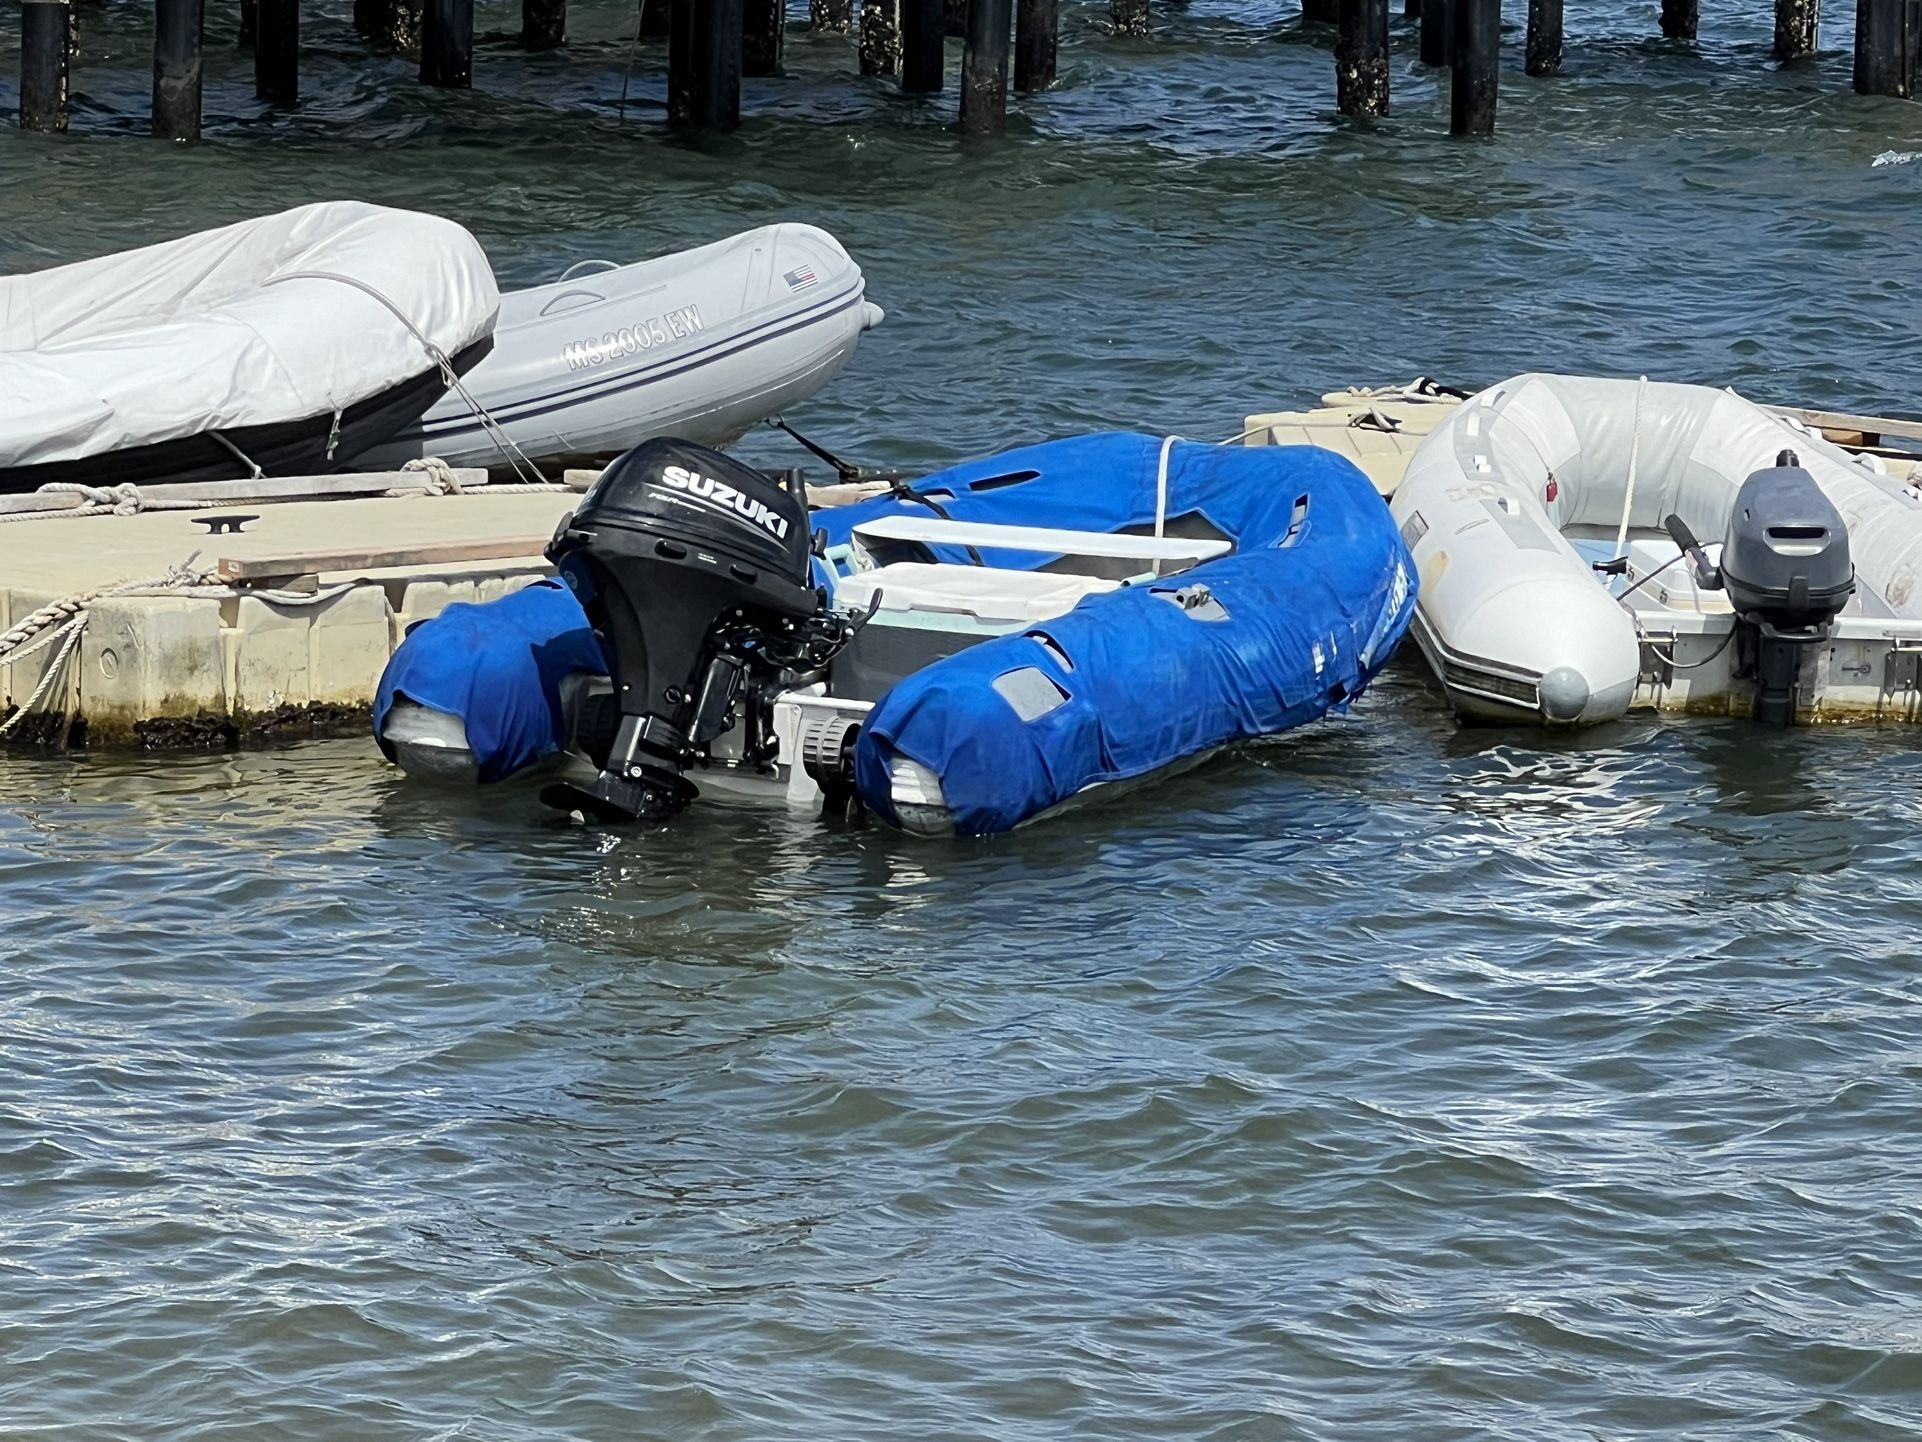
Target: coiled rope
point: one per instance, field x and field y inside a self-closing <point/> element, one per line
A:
<point x="440" y="478"/>
<point x="443" y="481"/>
<point x="125" y="499"/>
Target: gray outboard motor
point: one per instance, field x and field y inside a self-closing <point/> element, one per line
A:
<point x="695" y="573"/>
<point x="1786" y="568"/>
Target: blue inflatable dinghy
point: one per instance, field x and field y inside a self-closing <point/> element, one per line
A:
<point x="972" y="651"/>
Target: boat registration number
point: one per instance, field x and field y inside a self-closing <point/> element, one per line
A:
<point x="671" y="325"/>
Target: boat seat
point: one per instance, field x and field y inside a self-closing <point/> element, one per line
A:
<point x="985" y="596"/>
<point x="1152" y="551"/>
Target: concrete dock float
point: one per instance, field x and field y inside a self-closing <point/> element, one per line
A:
<point x="281" y="628"/>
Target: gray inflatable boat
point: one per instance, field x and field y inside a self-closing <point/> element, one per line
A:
<point x="702" y="345"/>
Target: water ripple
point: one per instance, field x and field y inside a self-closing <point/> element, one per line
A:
<point x="1389" y="1076"/>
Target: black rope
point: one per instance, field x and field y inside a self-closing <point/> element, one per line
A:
<point x="846" y="470"/>
<point x="897" y="481"/>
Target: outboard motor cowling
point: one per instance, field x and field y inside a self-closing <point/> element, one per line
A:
<point x="1785" y="565"/>
<point x="695" y="573"/>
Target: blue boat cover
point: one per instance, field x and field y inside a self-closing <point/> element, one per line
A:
<point x="498" y="666"/>
<point x="1295" y="622"/>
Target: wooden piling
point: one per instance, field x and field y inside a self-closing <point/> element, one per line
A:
<point x="367" y="17"/>
<point x="400" y="24"/>
<point x="1037" y="43"/>
<point x="880" y="37"/>
<point x="955" y="18"/>
<point x="657" y="19"/>
<point x="1361" y="58"/>
<point x="543" y="24"/>
<point x="46" y="60"/>
<point x="1887" y="33"/>
<point x="704" y="65"/>
<point x="1544" y="37"/>
<point x="1798" y="28"/>
<point x="249" y="24"/>
<point x="836" y="17"/>
<point x="277" y="52"/>
<point x="763" y="36"/>
<point x="1130" y="16"/>
<point x="447" y="44"/>
<point x="179" y="32"/>
<point x="984" y="67"/>
<point x="1475" y="52"/>
<point x="924" y="30"/>
<point x="1434" y="32"/>
<point x="1321" y="12"/>
<point x="1681" y="19"/>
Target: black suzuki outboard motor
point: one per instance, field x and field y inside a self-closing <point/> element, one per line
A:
<point x="1786" y="568"/>
<point x="694" y="572"/>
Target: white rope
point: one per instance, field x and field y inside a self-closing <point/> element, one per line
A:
<point x="45" y="639"/>
<point x="516" y="457"/>
<point x="1634" y="460"/>
<point x="1161" y="492"/>
<point x="73" y="630"/>
<point x="218" y="592"/>
<point x="125" y="499"/>
<point x="440" y="478"/>
<point x="253" y="467"/>
<point x="66" y="619"/>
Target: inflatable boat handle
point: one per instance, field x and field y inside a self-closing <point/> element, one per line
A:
<point x="585" y="267"/>
<point x="571" y="300"/>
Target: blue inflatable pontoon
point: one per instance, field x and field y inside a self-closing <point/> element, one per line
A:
<point x="1027" y="627"/>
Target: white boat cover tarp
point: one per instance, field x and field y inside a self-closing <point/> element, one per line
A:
<point x="252" y="324"/>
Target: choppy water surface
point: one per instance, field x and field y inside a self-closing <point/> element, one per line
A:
<point x="1389" y="1081"/>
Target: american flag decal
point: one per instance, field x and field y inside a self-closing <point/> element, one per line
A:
<point x="802" y="278"/>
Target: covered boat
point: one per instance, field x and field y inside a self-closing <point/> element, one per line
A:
<point x="957" y="657"/>
<point x="1585" y="545"/>
<point x="703" y="345"/>
<point x="287" y="344"/>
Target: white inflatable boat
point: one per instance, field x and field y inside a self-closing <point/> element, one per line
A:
<point x="288" y="343"/>
<point x="701" y="345"/>
<point x="1551" y="519"/>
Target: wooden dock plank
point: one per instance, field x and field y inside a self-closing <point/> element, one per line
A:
<point x="253" y="570"/>
<point x="1865" y="426"/>
<point x="268" y="488"/>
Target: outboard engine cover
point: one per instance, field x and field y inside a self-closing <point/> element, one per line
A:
<point x="1786" y="567"/>
<point x="694" y="571"/>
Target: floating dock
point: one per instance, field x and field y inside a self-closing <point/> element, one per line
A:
<point x="188" y="635"/>
<point x="196" y="615"/>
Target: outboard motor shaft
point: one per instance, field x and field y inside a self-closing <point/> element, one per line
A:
<point x="1785" y="564"/>
<point x="694" y="571"/>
